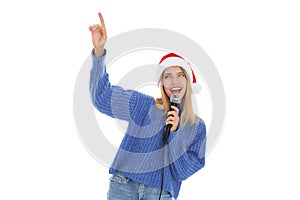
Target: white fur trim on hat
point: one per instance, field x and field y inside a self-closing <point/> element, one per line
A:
<point x="172" y="59"/>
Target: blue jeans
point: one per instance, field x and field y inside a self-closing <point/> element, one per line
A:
<point x="123" y="188"/>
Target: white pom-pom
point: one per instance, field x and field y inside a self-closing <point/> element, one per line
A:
<point x="196" y="87"/>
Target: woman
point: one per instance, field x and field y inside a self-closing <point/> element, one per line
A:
<point x="145" y="166"/>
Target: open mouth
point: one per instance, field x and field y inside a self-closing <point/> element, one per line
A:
<point x="176" y="89"/>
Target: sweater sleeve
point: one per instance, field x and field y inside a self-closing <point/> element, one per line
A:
<point x="113" y="101"/>
<point x="187" y="152"/>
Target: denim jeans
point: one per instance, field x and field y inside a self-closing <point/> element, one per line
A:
<point x="123" y="188"/>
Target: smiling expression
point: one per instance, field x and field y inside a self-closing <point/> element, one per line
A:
<point x="174" y="81"/>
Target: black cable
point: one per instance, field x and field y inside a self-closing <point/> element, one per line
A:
<point x="162" y="173"/>
<point x="174" y="100"/>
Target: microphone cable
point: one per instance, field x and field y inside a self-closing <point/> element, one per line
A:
<point x="162" y="173"/>
<point x="174" y="100"/>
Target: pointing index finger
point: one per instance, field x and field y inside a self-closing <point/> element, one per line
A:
<point x="101" y="19"/>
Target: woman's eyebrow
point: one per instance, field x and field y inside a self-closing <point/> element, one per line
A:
<point x="171" y="73"/>
<point x="167" y="74"/>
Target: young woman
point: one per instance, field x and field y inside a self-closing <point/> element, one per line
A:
<point x="147" y="166"/>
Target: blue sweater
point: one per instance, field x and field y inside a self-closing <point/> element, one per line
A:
<point x="140" y="154"/>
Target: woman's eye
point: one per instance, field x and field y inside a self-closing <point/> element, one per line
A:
<point x="181" y="75"/>
<point x="166" y="76"/>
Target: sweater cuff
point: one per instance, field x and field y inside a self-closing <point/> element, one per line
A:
<point x="102" y="58"/>
<point x="171" y="136"/>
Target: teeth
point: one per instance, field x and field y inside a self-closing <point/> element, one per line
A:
<point x="177" y="88"/>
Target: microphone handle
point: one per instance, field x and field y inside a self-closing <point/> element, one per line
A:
<point x="168" y="128"/>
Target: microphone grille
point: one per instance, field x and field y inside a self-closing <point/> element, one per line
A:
<point x="174" y="98"/>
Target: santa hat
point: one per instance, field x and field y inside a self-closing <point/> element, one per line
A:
<point x="173" y="59"/>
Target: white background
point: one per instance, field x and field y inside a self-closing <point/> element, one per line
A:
<point x="254" y="45"/>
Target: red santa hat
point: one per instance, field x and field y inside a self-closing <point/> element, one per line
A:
<point x="172" y="59"/>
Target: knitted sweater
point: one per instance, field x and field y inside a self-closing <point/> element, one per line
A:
<point x="140" y="154"/>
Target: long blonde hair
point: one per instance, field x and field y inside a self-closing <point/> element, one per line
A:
<point x="187" y="113"/>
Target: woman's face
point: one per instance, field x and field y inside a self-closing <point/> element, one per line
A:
<point x="174" y="81"/>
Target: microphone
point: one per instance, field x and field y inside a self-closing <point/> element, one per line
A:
<point x="174" y="100"/>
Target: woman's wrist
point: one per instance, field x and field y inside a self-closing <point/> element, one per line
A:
<point x="99" y="52"/>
